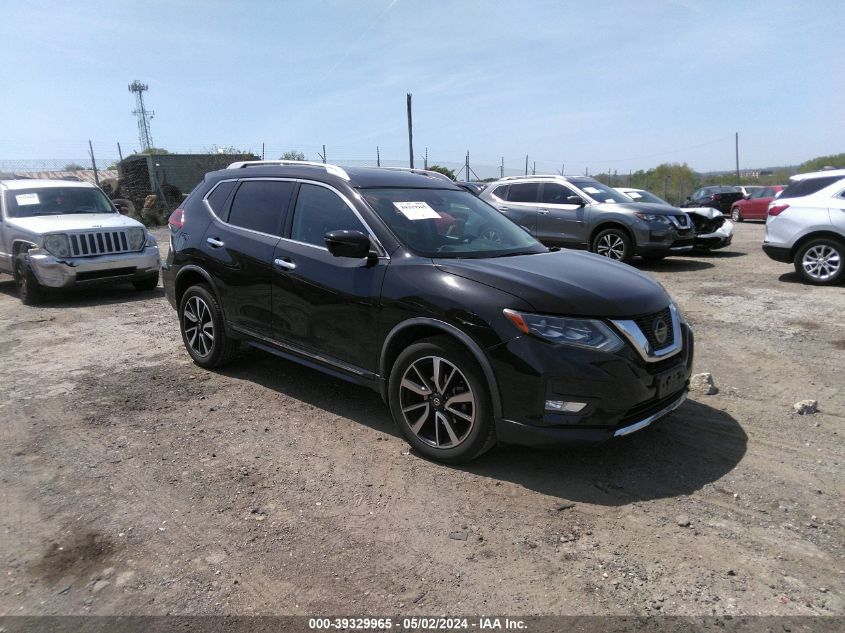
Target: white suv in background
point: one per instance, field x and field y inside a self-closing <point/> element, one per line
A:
<point x="806" y="226"/>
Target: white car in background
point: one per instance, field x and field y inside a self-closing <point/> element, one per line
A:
<point x="712" y="228"/>
<point x="59" y="233"/>
<point x="805" y="225"/>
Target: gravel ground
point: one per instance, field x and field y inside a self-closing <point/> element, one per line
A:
<point x="134" y="482"/>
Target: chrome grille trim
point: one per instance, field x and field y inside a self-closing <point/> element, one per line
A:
<point x="102" y="242"/>
<point x="634" y="335"/>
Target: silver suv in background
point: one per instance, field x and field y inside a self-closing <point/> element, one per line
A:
<point x="805" y="226"/>
<point x="59" y="233"/>
<point x="581" y="212"/>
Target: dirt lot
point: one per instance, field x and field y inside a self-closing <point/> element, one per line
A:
<point x="134" y="482"/>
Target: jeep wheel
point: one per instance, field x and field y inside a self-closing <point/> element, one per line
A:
<point x="29" y="290"/>
<point x="440" y="401"/>
<point x="203" y="332"/>
<point x="820" y="261"/>
<point x="613" y="244"/>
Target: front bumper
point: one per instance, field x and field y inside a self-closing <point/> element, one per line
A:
<point x="57" y="272"/>
<point x="663" y="241"/>
<point x="622" y="391"/>
<point x="719" y="238"/>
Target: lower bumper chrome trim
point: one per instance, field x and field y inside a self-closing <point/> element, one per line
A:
<point x="632" y="428"/>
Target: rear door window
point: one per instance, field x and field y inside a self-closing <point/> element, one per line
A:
<point x="261" y="205"/>
<point x="808" y="186"/>
<point x="524" y="192"/>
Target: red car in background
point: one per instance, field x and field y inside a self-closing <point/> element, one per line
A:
<point x="754" y="207"/>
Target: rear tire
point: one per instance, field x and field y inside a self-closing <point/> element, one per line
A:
<point x="203" y="329"/>
<point x="29" y="290"/>
<point x="613" y="243"/>
<point x="440" y="401"/>
<point x="736" y="214"/>
<point x="821" y="261"/>
<point x="146" y="285"/>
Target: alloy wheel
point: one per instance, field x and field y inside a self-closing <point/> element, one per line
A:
<point x="821" y="262"/>
<point x="611" y="245"/>
<point x="437" y="402"/>
<point x="198" y="326"/>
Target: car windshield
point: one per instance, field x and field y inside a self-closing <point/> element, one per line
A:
<point x="446" y="223"/>
<point x="26" y="203"/>
<point x="646" y="196"/>
<point x="600" y="192"/>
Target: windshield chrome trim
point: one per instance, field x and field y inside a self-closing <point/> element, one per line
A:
<point x="634" y="335"/>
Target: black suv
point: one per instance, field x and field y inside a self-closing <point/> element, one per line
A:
<point x="469" y="328"/>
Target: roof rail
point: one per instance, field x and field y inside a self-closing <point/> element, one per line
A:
<point x="332" y="169"/>
<point x="422" y="172"/>
<point x="534" y="176"/>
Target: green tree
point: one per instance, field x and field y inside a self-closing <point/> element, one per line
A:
<point x="154" y="150"/>
<point x="820" y="162"/>
<point x="293" y="155"/>
<point x="74" y="167"/>
<point x="442" y="170"/>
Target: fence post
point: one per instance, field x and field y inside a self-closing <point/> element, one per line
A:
<point x="93" y="163"/>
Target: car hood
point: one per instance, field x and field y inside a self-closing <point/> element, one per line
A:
<point x="74" y="222"/>
<point x="566" y="282"/>
<point x="708" y="212"/>
<point x="643" y="207"/>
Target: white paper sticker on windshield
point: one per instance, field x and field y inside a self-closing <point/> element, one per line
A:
<point x="25" y="199"/>
<point x="634" y="195"/>
<point x="417" y="210"/>
<point x="591" y="190"/>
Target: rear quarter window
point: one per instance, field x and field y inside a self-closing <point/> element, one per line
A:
<point x="219" y="196"/>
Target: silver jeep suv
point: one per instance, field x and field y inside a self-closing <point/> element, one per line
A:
<point x="58" y="233"/>
<point x="581" y="212"/>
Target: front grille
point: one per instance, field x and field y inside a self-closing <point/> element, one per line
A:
<point x="645" y="409"/>
<point x="646" y="325"/>
<point x="98" y="243"/>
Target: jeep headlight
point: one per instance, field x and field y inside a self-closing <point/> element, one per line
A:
<point x="57" y="244"/>
<point x="137" y="237"/>
<point x="577" y="332"/>
<point x="652" y="217"/>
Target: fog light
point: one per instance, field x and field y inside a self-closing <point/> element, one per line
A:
<point x="563" y="406"/>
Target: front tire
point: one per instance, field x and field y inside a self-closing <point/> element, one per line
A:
<point x="820" y="261"/>
<point x="29" y="290"/>
<point x="440" y="401"/>
<point x="203" y="330"/>
<point x="736" y="214"/>
<point x="614" y="244"/>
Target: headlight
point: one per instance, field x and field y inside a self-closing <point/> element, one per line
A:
<point x="137" y="237"/>
<point x="57" y="245"/>
<point x="651" y="217"/>
<point x="578" y="332"/>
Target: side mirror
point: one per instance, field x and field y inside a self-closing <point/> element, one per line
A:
<point x="689" y="199"/>
<point x="575" y="200"/>
<point x="352" y="244"/>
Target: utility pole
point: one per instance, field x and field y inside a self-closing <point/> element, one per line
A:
<point x="502" y="168"/>
<point x="323" y="155"/>
<point x="378" y="157"/>
<point x="526" y="164"/>
<point x="562" y="168"/>
<point x="262" y="151"/>
<point x="736" y="145"/>
<point x="426" y="158"/>
<point x="410" y="134"/>
<point x="93" y="163"/>
<point x="534" y="170"/>
<point x="467" y="166"/>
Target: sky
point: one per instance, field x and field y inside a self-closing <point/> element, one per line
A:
<point x="574" y="85"/>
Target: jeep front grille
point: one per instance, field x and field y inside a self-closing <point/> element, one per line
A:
<point x="98" y="243"/>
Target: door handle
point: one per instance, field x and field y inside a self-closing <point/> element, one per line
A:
<point x="213" y="241"/>
<point x="284" y="263"/>
<point x="543" y="211"/>
<point x="503" y="208"/>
